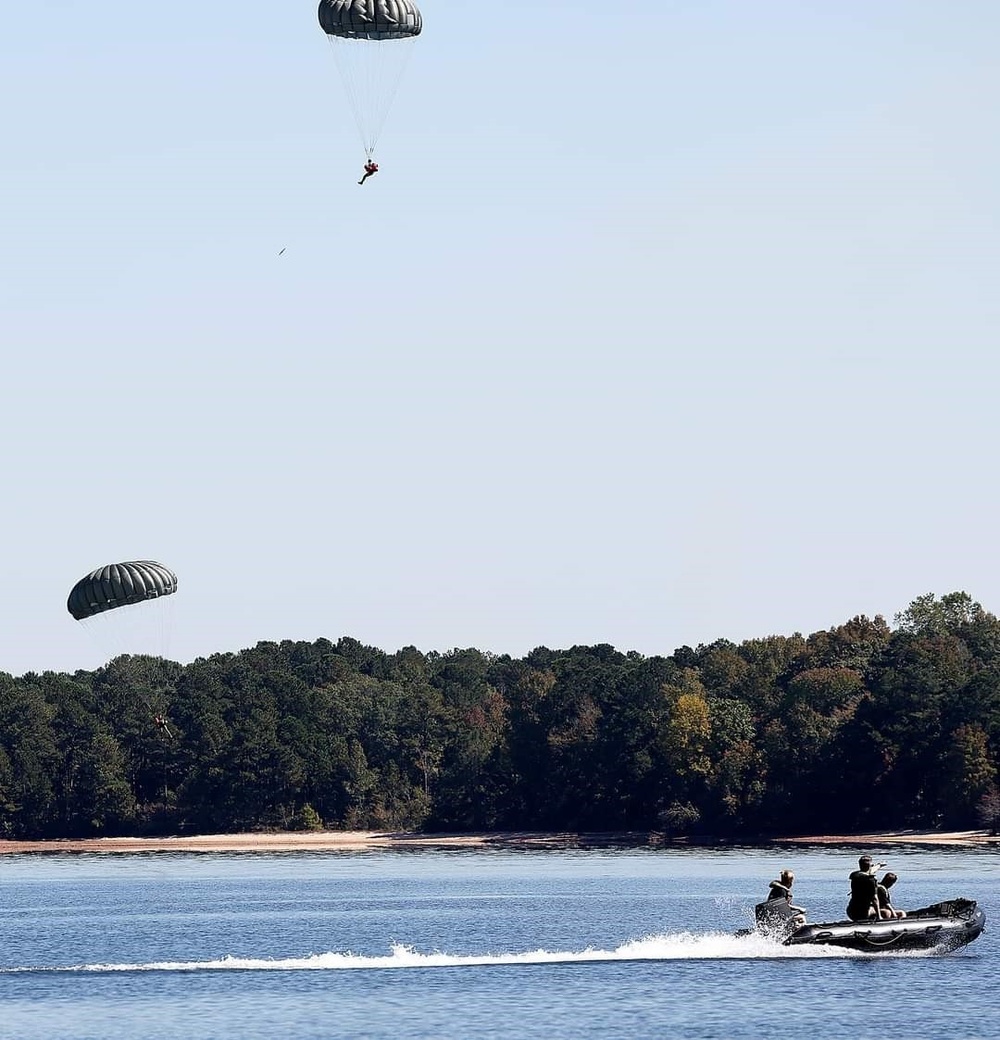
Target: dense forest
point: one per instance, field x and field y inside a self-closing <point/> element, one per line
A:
<point x="863" y="726"/>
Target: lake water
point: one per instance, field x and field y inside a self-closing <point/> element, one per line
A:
<point x="470" y="944"/>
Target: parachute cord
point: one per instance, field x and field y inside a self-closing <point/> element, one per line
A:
<point x="371" y="72"/>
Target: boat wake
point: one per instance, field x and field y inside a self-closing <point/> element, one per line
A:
<point x="667" y="947"/>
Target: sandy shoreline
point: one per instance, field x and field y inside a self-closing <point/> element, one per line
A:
<point x="317" y="841"/>
<point x="365" y="841"/>
<point x="982" y="839"/>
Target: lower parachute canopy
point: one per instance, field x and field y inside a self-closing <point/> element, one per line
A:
<point x="371" y="41"/>
<point x="120" y="585"/>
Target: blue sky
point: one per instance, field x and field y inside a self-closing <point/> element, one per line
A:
<point x="661" y="322"/>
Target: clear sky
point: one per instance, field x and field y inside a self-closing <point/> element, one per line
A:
<point x="663" y="322"/>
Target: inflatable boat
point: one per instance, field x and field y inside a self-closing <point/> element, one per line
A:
<point x="942" y="927"/>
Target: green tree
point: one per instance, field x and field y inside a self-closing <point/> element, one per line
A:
<point x="103" y="794"/>
<point x="928" y="615"/>
<point x="967" y="775"/>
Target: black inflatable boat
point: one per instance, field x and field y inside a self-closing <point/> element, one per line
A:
<point x="942" y="927"/>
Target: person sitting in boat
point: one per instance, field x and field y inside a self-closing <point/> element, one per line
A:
<point x="864" y="891"/>
<point x="782" y="889"/>
<point x="885" y="908"/>
<point x="777" y="912"/>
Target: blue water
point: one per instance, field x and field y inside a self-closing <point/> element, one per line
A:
<point x="469" y="944"/>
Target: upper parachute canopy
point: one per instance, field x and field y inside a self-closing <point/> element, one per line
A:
<point x="370" y="19"/>
<point x="120" y="585"/>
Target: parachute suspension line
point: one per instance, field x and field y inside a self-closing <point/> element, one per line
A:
<point x="371" y="71"/>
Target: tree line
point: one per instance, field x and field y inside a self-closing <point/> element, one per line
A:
<point x="862" y="726"/>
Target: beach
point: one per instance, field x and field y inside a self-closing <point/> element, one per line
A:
<point x="369" y="841"/>
<point x="310" y="841"/>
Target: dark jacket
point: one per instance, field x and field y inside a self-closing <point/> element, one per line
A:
<point x="864" y="895"/>
<point x="780" y="891"/>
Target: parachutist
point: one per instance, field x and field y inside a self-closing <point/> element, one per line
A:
<point x="371" y="168"/>
<point x="125" y="586"/>
<point x="162" y="725"/>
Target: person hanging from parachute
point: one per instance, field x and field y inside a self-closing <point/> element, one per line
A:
<point x="371" y="42"/>
<point x="160" y="721"/>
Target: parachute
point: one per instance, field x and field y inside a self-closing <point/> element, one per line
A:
<point x="371" y="41"/>
<point x="96" y="600"/>
<point x="120" y="585"/>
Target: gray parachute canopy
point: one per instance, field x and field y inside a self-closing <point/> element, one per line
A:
<point x="120" y="585"/>
<point x="370" y="19"/>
